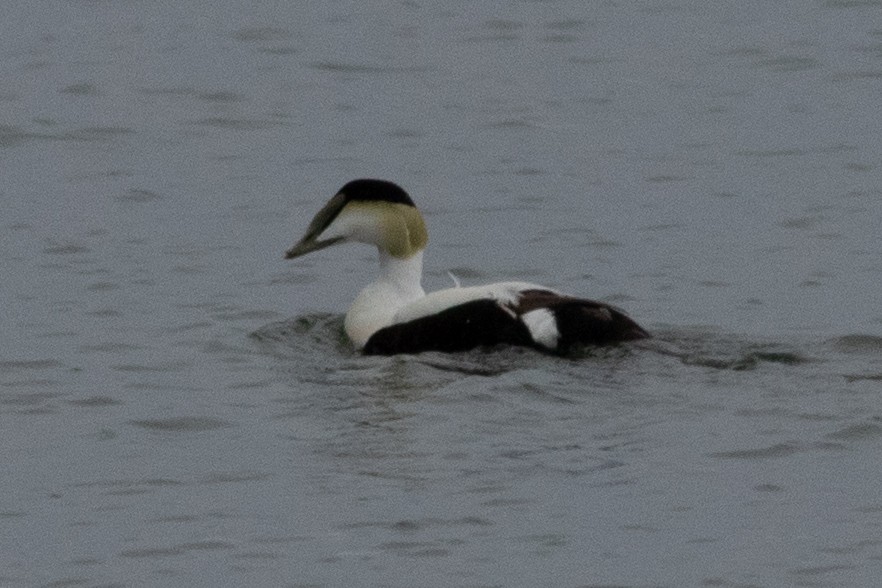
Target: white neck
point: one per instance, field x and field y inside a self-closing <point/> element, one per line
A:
<point x="398" y="284"/>
<point x="405" y="274"/>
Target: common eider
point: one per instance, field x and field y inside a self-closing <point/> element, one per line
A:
<point x="394" y="315"/>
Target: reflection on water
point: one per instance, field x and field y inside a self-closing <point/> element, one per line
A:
<point x="179" y="405"/>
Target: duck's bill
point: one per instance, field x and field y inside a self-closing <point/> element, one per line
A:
<point x="310" y="245"/>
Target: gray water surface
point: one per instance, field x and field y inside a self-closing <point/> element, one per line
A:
<point x="179" y="406"/>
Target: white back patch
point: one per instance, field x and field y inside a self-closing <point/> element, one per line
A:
<point x="505" y="293"/>
<point x="542" y="326"/>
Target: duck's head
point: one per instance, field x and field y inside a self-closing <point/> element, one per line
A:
<point x="367" y="211"/>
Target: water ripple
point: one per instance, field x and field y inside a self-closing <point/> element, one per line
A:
<point x="182" y="424"/>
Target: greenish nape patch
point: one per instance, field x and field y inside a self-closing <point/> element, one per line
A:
<point x="402" y="230"/>
<point x="406" y="230"/>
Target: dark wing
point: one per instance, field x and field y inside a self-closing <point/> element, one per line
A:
<point x="580" y="321"/>
<point x="473" y="324"/>
<point x="484" y="322"/>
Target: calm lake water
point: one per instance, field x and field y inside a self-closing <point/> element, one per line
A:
<point x="179" y="407"/>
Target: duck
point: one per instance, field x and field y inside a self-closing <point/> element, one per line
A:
<point x="394" y="315"/>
